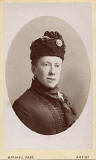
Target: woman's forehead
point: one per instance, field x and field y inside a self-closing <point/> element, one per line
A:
<point x="50" y="59"/>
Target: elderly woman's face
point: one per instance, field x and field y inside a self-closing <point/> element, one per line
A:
<point x="47" y="70"/>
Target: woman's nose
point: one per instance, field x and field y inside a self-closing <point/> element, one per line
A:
<point x="52" y="70"/>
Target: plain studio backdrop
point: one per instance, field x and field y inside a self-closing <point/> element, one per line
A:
<point x="75" y="76"/>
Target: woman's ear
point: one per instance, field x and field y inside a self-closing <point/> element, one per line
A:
<point x="33" y="68"/>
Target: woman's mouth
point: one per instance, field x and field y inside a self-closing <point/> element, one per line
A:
<point x="51" y="79"/>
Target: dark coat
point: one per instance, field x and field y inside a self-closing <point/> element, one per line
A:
<point x="42" y="115"/>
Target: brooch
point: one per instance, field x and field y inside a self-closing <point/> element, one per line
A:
<point x="59" y="42"/>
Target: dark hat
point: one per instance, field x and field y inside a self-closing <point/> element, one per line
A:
<point x="51" y="44"/>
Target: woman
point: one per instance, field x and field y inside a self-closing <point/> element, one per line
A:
<point x="42" y="108"/>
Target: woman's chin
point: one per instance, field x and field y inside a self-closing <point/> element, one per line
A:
<point x="51" y="86"/>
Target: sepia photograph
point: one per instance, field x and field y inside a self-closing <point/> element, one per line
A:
<point x="43" y="107"/>
<point x="47" y="75"/>
<point x="48" y="78"/>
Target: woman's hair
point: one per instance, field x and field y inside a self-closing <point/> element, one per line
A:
<point x="34" y="62"/>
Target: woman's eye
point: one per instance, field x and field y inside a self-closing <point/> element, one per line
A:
<point x="45" y="64"/>
<point x="57" y="65"/>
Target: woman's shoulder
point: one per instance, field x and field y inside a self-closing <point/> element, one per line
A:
<point x="29" y="96"/>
